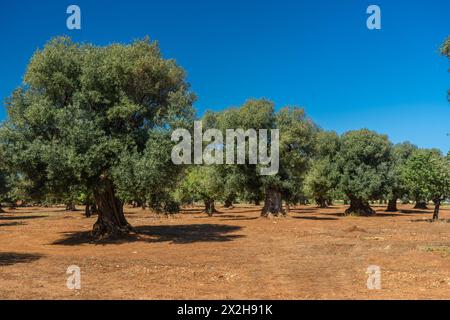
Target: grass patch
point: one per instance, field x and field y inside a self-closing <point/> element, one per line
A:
<point x="443" y="250"/>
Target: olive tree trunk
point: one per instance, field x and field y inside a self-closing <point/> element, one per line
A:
<point x="273" y="204"/>
<point x="359" y="207"/>
<point x="421" y="205"/>
<point x="437" y="206"/>
<point x="111" y="220"/>
<point x="87" y="211"/>
<point x="228" y="203"/>
<point x="392" y="205"/>
<point x="1" y="210"/>
<point x="321" y="202"/>
<point x="209" y="207"/>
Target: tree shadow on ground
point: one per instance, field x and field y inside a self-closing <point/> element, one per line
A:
<point x="303" y="210"/>
<point x="315" y="218"/>
<point x="385" y="214"/>
<point x="414" y="211"/>
<point x="231" y="217"/>
<point x="189" y="233"/>
<point x="431" y="220"/>
<point x="194" y="210"/>
<point x="255" y="207"/>
<point x="20" y="217"/>
<point x="377" y="215"/>
<point x="12" y="224"/>
<point x="178" y="234"/>
<point x="10" y="258"/>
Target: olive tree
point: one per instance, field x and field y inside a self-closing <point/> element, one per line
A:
<point x="244" y="180"/>
<point x="364" y="161"/>
<point x="428" y="172"/>
<point x="202" y="183"/>
<point x="296" y="148"/>
<point x="82" y="108"/>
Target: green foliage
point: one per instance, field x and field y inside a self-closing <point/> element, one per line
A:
<point x="364" y="161"/>
<point x="323" y="177"/>
<point x="296" y="150"/>
<point x="445" y="48"/>
<point x="149" y="176"/>
<point x="88" y="115"/>
<point x="244" y="180"/>
<point x="427" y="174"/>
<point x="201" y="183"/>
<point x="85" y="112"/>
<point x="397" y="186"/>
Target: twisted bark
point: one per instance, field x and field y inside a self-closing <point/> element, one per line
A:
<point x="273" y="204"/>
<point x="210" y="208"/>
<point x="321" y="202"/>
<point x="437" y="205"/>
<point x="111" y="220"/>
<point x="392" y="205"/>
<point x="359" y="207"/>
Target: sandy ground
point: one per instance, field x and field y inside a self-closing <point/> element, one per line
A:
<point x="311" y="254"/>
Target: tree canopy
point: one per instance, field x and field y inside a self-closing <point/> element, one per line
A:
<point x="364" y="162"/>
<point x="93" y="125"/>
<point x="323" y="177"/>
<point x="82" y="108"/>
<point x="427" y="173"/>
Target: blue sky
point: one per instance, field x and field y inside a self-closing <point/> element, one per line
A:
<point x="315" y="54"/>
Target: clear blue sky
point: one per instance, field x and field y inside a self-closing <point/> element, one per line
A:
<point x="316" y="54"/>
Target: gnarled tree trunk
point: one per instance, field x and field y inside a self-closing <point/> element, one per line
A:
<point x="421" y="205"/>
<point x="1" y="210"/>
<point x="321" y="202"/>
<point x="437" y="205"/>
<point x="392" y="205"/>
<point x="228" y="203"/>
<point x="359" y="207"/>
<point x="111" y="220"/>
<point x="209" y="207"/>
<point x="273" y="204"/>
<point x="87" y="211"/>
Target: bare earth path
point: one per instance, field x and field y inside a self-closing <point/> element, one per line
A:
<point x="312" y="254"/>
